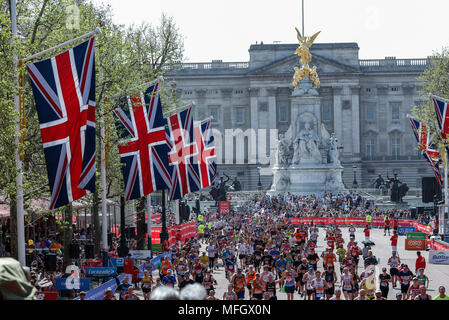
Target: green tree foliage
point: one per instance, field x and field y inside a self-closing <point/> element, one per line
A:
<point x="435" y="81"/>
<point x="125" y="58"/>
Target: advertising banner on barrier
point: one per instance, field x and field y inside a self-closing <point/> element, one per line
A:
<point x="140" y="254"/>
<point x="438" y="257"/>
<point x="47" y="295"/>
<point x="72" y="283"/>
<point x="416" y="235"/>
<point x="402" y="231"/>
<point x="415" y="244"/>
<point x="101" y="272"/>
<point x="224" y="207"/>
<point x="423" y="228"/>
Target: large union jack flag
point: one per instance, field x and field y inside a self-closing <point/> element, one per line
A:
<point x="144" y="155"/>
<point x="426" y="146"/>
<point x="207" y="167"/>
<point x="64" y="91"/>
<point x="182" y="157"/>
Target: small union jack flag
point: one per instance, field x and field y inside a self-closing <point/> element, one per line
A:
<point x="185" y="175"/>
<point x="442" y="117"/>
<point x="144" y="156"/>
<point x="426" y="146"/>
<point x="64" y="92"/>
<point x="207" y="167"/>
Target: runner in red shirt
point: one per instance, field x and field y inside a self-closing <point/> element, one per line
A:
<point x="387" y="226"/>
<point x="367" y="232"/>
<point x="394" y="241"/>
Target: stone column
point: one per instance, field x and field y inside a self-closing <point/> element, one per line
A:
<point x="382" y="118"/>
<point x="200" y="107"/>
<point x="253" y="94"/>
<point x="356" y="123"/>
<point x="337" y="91"/>
<point x="272" y="111"/>
<point x="225" y="122"/>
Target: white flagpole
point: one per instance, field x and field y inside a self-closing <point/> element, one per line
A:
<point x="34" y="56"/>
<point x="149" y="222"/>
<point x="104" y="216"/>
<point x="19" y="177"/>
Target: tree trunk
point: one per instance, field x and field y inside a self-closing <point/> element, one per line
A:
<point x="13" y="228"/>
<point x="96" y="220"/>
<point x="67" y="261"/>
<point x="141" y="226"/>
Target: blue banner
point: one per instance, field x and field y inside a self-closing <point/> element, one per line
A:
<point x="101" y="272"/>
<point x="98" y="292"/>
<point x="402" y="231"/>
<point x="118" y="262"/>
<point x="72" y="284"/>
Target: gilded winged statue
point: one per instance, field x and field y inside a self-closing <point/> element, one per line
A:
<point x="305" y="55"/>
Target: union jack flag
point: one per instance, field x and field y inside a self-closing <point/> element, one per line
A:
<point x="185" y="175"/>
<point x="144" y="156"/>
<point x="206" y="153"/>
<point x="64" y="91"/>
<point x="442" y="117"/>
<point x="427" y="147"/>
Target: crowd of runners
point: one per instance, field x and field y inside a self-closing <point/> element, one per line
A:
<point x="263" y="257"/>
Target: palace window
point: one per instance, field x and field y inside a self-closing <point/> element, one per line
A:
<point x="369" y="115"/>
<point x="283" y="114"/>
<point x="395" y="108"/>
<point x="370" y="147"/>
<point x="395" y="146"/>
<point x="215" y="113"/>
<point x="239" y="115"/>
<point x="326" y="113"/>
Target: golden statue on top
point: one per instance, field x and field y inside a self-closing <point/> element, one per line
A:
<point x="305" y="55"/>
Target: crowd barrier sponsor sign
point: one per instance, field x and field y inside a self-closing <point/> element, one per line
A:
<point x="101" y="272"/>
<point x="224" y="207"/>
<point x="360" y="222"/>
<point x="140" y="254"/>
<point x="187" y="231"/>
<point x="72" y="284"/>
<point x="118" y="262"/>
<point x="402" y="231"/>
<point x="47" y="295"/>
<point x="440" y="245"/>
<point x="438" y="257"/>
<point x="98" y="292"/>
<point x="416" y="235"/>
<point x="415" y="244"/>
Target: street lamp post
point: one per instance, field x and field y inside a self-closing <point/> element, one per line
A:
<point x="164" y="234"/>
<point x="123" y="247"/>
<point x="354" y="183"/>
<point x="259" y="184"/>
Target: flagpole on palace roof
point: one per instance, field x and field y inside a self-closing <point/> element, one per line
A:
<point x="19" y="177"/>
<point x="34" y="56"/>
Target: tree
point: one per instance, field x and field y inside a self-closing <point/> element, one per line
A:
<point x="436" y="82"/>
<point x="125" y="58"/>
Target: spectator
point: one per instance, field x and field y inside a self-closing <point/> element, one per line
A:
<point x="442" y="295"/>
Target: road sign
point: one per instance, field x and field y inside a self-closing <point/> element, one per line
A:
<point x="101" y="272"/>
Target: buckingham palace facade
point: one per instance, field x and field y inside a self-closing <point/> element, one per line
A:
<point x="364" y="102"/>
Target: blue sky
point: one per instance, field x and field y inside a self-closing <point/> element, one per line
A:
<point x="217" y="29"/>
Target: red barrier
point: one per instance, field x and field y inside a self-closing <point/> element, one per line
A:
<point x="188" y="230"/>
<point x="436" y="245"/>
<point x="359" y="222"/>
<point x="47" y="295"/>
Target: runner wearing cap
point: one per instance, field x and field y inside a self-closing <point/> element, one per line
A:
<point x="405" y="276"/>
<point x="257" y="288"/>
<point x="147" y="282"/>
<point x="413" y="290"/>
<point x="308" y="278"/>
<point x="385" y="280"/>
<point x="108" y="295"/>
<point x="169" y="279"/>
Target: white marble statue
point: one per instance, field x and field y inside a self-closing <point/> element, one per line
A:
<point x="333" y="150"/>
<point x="306" y="145"/>
<point x="285" y="153"/>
